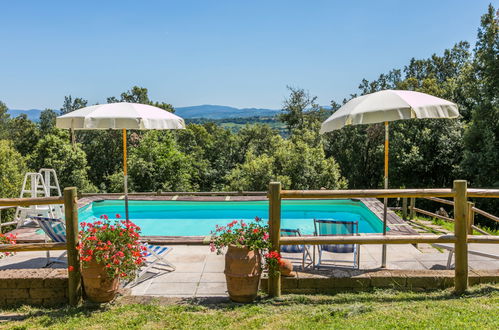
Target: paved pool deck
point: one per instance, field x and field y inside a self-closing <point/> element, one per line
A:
<point x="199" y="273"/>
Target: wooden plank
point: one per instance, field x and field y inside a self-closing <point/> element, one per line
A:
<point x="485" y="214"/>
<point x="483" y="239"/>
<point x="74" y="273"/>
<point x="31" y="201"/>
<point x="488" y="193"/>
<point x="182" y="193"/>
<point x="32" y="247"/>
<point x="440" y="200"/>
<point x="480" y="230"/>
<point x="404" y="208"/>
<point x="396" y="239"/>
<point x="461" y="233"/>
<point x="275" y="233"/>
<point x="377" y="193"/>
<point x="431" y="214"/>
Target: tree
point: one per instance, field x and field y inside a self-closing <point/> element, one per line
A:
<point x="157" y="164"/>
<point x="23" y="133"/>
<point x="4" y="119"/>
<point x="139" y="95"/>
<point x="12" y="170"/>
<point x="71" y="104"/>
<point x="297" y="108"/>
<point x="47" y="120"/>
<point x="255" y="174"/>
<point x="481" y="155"/>
<point x="69" y="162"/>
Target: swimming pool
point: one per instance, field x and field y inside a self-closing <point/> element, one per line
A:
<point x="193" y="218"/>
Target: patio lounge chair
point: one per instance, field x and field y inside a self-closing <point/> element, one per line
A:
<point x="158" y="254"/>
<point x="450" y="248"/>
<point x="303" y="249"/>
<point x="335" y="228"/>
<point x="55" y="229"/>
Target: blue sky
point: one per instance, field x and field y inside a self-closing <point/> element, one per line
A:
<point x="236" y="53"/>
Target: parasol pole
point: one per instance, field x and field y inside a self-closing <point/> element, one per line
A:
<point x="125" y="173"/>
<point x="385" y="200"/>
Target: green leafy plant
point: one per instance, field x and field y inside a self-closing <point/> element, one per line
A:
<point x="115" y="244"/>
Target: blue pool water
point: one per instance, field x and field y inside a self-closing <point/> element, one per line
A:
<point x="189" y="218"/>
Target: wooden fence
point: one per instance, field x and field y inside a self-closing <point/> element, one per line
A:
<point x="459" y="193"/>
<point x="70" y="201"/>
<point x="472" y="210"/>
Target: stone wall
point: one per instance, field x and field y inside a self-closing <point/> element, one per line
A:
<point x="355" y="280"/>
<point x="33" y="287"/>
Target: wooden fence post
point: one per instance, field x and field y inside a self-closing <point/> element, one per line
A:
<point x="404" y="208"/>
<point x="461" y="232"/>
<point x="74" y="272"/>
<point x="275" y="233"/>
<point x="412" y="207"/>
<point x="471" y="217"/>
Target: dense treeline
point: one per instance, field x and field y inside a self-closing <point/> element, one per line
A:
<point x="205" y="156"/>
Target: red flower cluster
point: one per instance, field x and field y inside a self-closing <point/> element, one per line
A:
<point x="273" y="261"/>
<point x="252" y="235"/>
<point x="113" y="244"/>
<point x="7" y="239"/>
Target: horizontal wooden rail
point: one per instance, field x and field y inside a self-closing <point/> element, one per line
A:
<point x="485" y="214"/>
<point x="31" y="201"/>
<point x="483" y="239"/>
<point x="440" y="200"/>
<point x="182" y="193"/>
<point x="431" y="214"/>
<point x="480" y="230"/>
<point x="487" y="193"/>
<point x="32" y="247"/>
<point x="399" y="239"/>
<point x="375" y="193"/>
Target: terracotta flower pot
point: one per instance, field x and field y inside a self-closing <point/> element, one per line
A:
<point x="99" y="287"/>
<point x="286" y="267"/>
<point x="243" y="268"/>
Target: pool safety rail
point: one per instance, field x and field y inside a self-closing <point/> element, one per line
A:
<point x="70" y="201"/>
<point x="460" y="193"/>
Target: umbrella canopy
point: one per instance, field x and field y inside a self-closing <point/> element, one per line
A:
<point x="385" y="106"/>
<point x="119" y="116"/>
<point x="389" y="105"/>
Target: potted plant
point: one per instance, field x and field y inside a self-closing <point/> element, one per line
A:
<point x="7" y="239"/>
<point x="109" y="251"/>
<point x="243" y="259"/>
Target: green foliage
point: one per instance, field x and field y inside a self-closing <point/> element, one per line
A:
<point x="4" y="119"/>
<point x="69" y="162"/>
<point x="23" y="133"/>
<point x="47" y="120"/>
<point x="156" y="164"/>
<point x="71" y="104"/>
<point x="12" y="170"/>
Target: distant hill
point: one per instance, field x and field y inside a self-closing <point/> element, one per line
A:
<point x="33" y="114"/>
<point x="198" y="111"/>
<point x="221" y="112"/>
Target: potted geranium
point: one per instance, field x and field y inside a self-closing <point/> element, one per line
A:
<point x="109" y="251"/>
<point x="7" y="239"/>
<point x="245" y="243"/>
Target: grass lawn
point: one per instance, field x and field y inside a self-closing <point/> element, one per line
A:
<point x="380" y="309"/>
